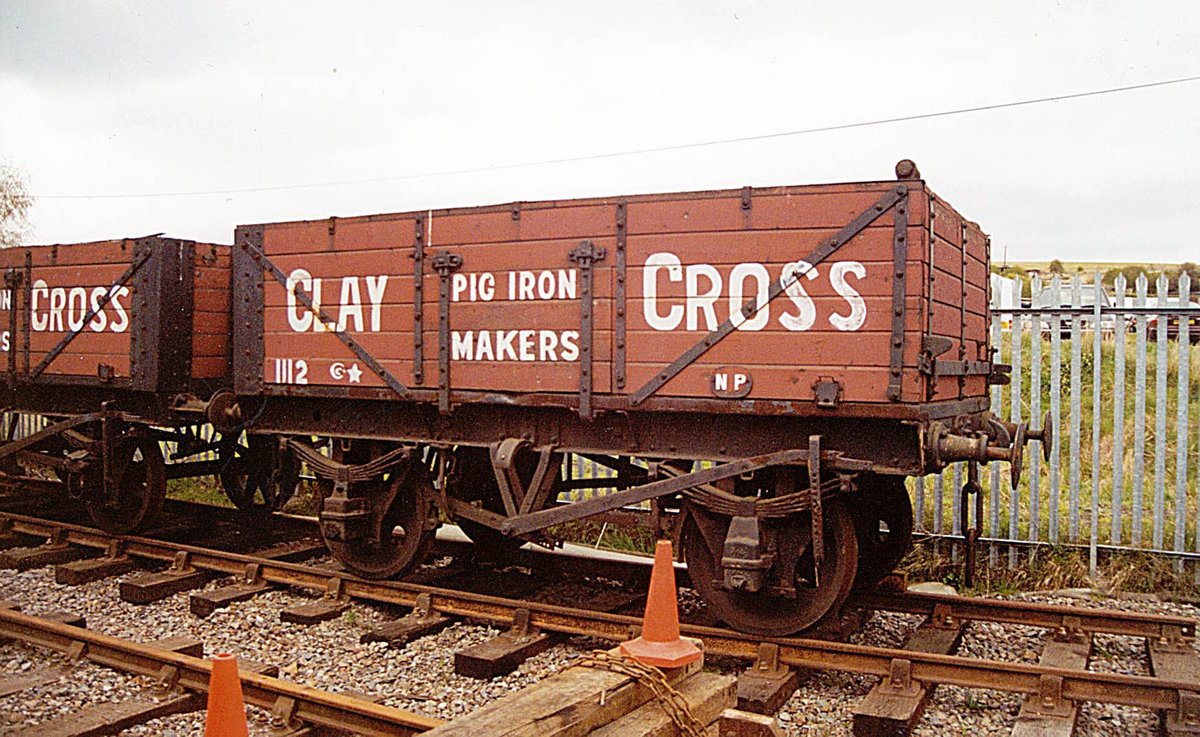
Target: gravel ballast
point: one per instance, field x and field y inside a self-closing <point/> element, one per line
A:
<point x="421" y="678"/>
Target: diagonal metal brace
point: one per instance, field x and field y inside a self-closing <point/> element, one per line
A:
<point x="752" y="306"/>
<point x="306" y="299"/>
<point x="526" y="523"/>
<point x="57" y="428"/>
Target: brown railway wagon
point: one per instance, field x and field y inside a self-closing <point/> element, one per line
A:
<point x="667" y="274"/>
<point x="816" y="343"/>
<point x="118" y="345"/>
<point x="145" y="314"/>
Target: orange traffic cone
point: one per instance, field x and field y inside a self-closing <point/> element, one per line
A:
<point x="226" y="710"/>
<point x="660" y="644"/>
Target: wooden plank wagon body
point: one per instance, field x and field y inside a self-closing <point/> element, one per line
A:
<point x="116" y="346"/>
<point x="813" y="342"/>
<point x="790" y="307"/>
<point x="145" y="315"/>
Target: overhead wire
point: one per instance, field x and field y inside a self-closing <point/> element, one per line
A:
<point x="635" y="151"/>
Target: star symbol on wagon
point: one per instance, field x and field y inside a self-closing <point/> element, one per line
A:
<point x="354" y="373"/>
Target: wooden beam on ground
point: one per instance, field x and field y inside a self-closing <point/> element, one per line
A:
<point x="421" y="621"/>
<point x="189" y="646"/>
<point x="572" y="703"/>
<point x="24" y="559"/>
<point x="330" y="606"/>
<point x="10" y="539"/>
<point x="1048" y="714"/>
<point x="86" y="571"/>
<point x="707" y="696"/>
<point x="314" y="612"/>
<point x="1173" y="657"/>
<point x="895" y="704"/>
<point x="29" y="679"/>
<point x="736" y="723"/>
<point x="146" y="588"/>
<point x="503" y="653"/>
<point x="204" y="603"/>
<point x="109" y="718"/>
<point x="765" y="687"/>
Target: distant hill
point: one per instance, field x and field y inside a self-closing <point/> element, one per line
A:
<point x="1088" y="267"/>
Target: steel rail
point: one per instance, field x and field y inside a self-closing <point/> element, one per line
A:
<point x="1049" y="616"/>
<point x="1032" y="614"/>
<point x="311" y="705"/>
<point x="1138" y="691"/>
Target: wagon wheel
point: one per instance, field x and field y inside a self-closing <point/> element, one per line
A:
<point x="761" y="613"/>
<point x="141" y="487"/>
<point x="404" y="517"/>
<point x="257" y="468"/>
<point x="883" y="517"/>
<point x="476" y="482"/>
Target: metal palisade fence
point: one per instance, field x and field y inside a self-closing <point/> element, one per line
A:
<point x="1114" y="368"/>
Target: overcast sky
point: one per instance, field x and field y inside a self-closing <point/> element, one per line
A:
<point x="132" y="98"/>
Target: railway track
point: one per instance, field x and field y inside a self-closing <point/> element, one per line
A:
<point x="1053" y="688"/>
<point x="180" y="677"/>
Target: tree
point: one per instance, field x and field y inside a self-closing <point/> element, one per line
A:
<point x="15" y="202"/>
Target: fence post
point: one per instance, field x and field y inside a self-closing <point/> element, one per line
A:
<point x="1139" y="414"/>
<point x="1118" y="452"/>
<point x="1055" y="404"/>
<point x="919" y="483"/>
<point x="1183" y="340"/>
<point x="1094" y="527"/>
<point x="1014" y="496"/>
<point x="1160" y="416"/>
<point x="1076" y="367"/>
<point x="1035" y="406"/>
<point x="939" y="488"/>
<point x="956" y="508"/>
<point x="994" y="486"/>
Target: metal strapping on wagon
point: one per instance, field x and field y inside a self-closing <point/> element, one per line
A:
<point x="899" y="259"/>
<point x="138" y="260"/>
<point x="962" y="307"/>
<point x="444" y="263"/>
<point x="886" y="203"/>
<point x="255" y="252"/>
<point x="619" y="325"/>
<point x="247" y="307"/>
<point x="28" y="326"/>
<point x="418" y="300"/>
<point x="585" y="256"/>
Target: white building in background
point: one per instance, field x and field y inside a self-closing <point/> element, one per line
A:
<point x="1002" y="298"/>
